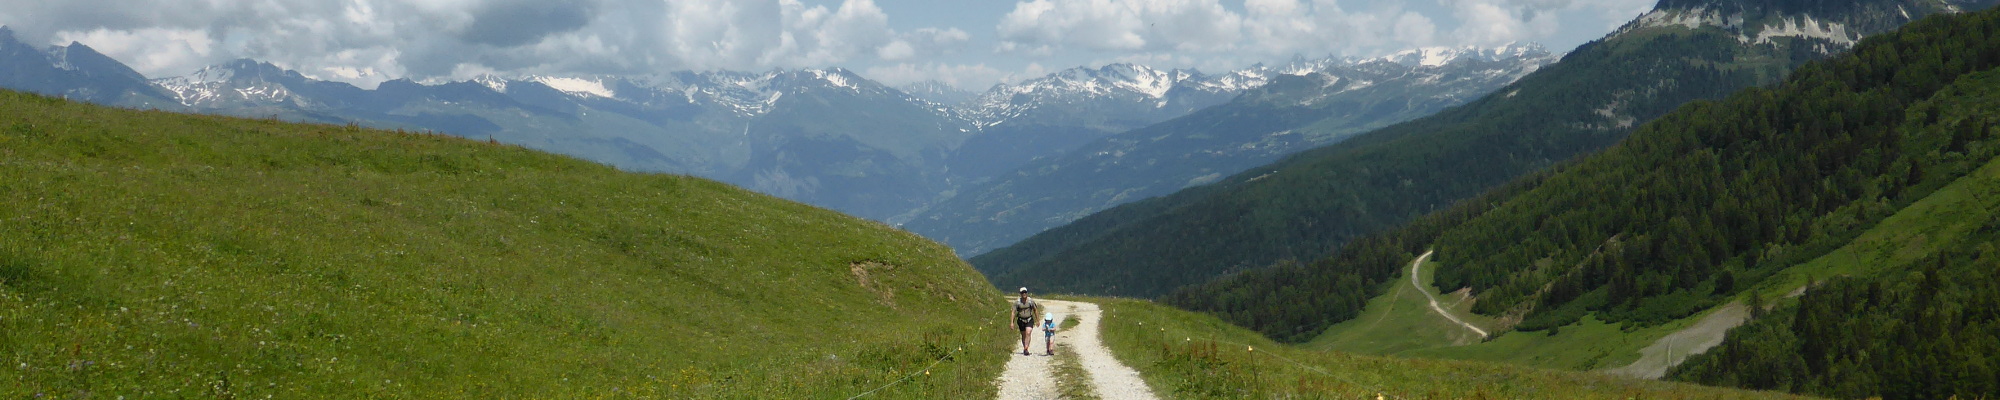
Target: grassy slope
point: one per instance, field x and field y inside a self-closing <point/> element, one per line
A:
<point x="1394" y="325"/>
<point x="1401" y="323"/>
<point x="155" y="253"/>
<point x="1920" y="230"/>
<point x="1189" y="355"/>
<point x="1401" y="319"/>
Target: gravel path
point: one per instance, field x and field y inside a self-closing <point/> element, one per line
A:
<point x="1434" y="300"/>
<point x="1671" y="350"/>
<point x="1033" y="377"/>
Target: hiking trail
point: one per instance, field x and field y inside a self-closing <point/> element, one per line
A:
<point x="1414" y="266"/>
<point x="1034" y="376"/>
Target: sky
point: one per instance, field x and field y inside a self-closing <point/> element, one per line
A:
<point x="969" y="44"/>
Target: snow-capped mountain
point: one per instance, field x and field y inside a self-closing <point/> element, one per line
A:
<point x="746" y="95"/>
<point x="825" y="136"/>
<point x="1441" y="56"/>
<point x="1271" y="112"/>
<point x="1827" y="27"/>
<point x="74" y="71"/>
<point x="938" y="92"/>
<point x="241" y="83"/>
<point x="1123" y="96"/>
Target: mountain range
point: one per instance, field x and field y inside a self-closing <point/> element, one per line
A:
<point x="165" y="254"/>
<point x="1834" y="234"/>
<point x="1293" y="108"/>
<point x="1304" y="206"/>
<point x="827" y="137"/>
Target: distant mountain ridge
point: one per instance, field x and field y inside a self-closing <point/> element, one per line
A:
<point x="1848" y="213"/>
<point x="74" y="71"/>
<point x="824" y="136"/>
<point x="1291" y="108"/>
<point x="1302" y="207"/>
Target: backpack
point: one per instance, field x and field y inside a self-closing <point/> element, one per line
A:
<point x="1025" y="310"/>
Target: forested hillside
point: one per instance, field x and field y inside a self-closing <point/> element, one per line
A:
<point x="1923" y="333"/>
<point x="1719" y="195"/>
<point x="1694" y="207"/>
<point x="1912" y="313"/>
<point x="1309" y="204"/>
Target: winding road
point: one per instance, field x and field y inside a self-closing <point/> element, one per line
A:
<point x="1414" y="266"/>
<point x="1034" y="377"/>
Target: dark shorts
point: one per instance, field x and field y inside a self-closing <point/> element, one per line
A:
<point x="1020" y="323"/>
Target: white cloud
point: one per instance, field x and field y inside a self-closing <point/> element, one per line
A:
<point x="148" y="49"/>
<point x="923" y="42"/>
<point x="1416" y="29"/>
<point x="367" y="41"/>
<point x="1123" y="25"/>
<point x="1490" y="22"/>
<point x="1273" y="29"/>
<point x="975" y="77"/>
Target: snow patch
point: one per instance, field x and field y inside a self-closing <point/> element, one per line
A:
<point x="1694" y="18"/>
<point x="1806" y="27"/>
<point x="576" y="86"/>
<point x="835" y="78"/>
<point x="496" y="83"/>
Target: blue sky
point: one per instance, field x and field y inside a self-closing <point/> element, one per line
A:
<point x="971" y="44"/>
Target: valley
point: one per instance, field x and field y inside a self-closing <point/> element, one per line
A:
<point x="1716" y="199"/>
<point x="827" y="137"/>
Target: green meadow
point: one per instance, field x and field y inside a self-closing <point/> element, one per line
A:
<point x="1189" y="355"/>
<point x="149" y="254"/>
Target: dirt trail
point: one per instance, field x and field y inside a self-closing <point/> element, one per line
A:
<point x="1671" y="350"/>
<point x="1414" y="266"/>
<point x="1033" y="377"/>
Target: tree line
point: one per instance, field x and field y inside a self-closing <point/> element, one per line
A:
<point x="1692" y="209"/>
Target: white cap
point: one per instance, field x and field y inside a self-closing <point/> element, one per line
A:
<point x="1024" y="289"/>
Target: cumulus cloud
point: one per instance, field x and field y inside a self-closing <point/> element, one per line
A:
<point x="368" y="41"/>
<point x="923" y="42"/>
<point x="508" y="23"/>
<point x="1487" y="22"/>
<point x="973" y="76"/>
<point x="1127" y="25"/>
<point x="144" y="49"/>
<point x="1265" y="29"/>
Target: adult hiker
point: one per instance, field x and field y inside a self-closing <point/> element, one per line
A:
<point x="1025" y="310"/>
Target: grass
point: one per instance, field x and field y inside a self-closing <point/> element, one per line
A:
<point x="1945" y="217"/>
<point x="1586" y="345"/>
<point x="1394" y="323"/>
<point x="1188" y="355"/>
<point x="1401" y="323"/>
<point x="1917" y="231"/>
<point x="1071" y="380"/>
<point x="1401" y="320"/>
<point x="151" y="254"/>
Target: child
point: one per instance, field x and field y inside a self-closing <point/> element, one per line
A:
<point x="1049" y="332"/>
